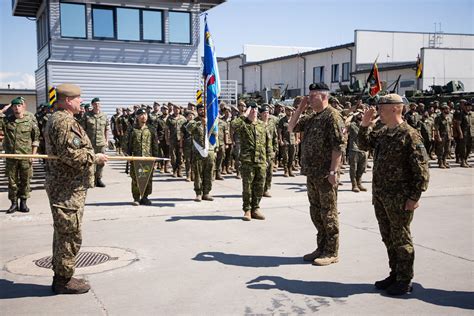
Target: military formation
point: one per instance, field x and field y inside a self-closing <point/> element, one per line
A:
<point x="314" y="134"/>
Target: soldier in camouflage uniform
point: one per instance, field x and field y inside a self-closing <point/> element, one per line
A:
<point x="357" y="157"/>
<point x="163" y="145"/>
<point x="463" y="122"/>
<point x="427" y="131"/>
<point x="270" y="126"/>
<point x="443" y="136"/>
<point x="96" y="126"/>
<point x="400" y="175"/>
<point x="141" y="141"/>
<point x="67" y="181"/>
<point x="412" y="117"/>
<point x="188" y="146"/>
<point x="241" y="106"/>
<point x="203" y="167"/>
<point x="322" y="149"/>
<point x="287" y="142"/>
<point x="226" y="117"/>
<point x="256" y="147"/>
<point x="114" y="126"/>
<point x="21" y="136"/>
<point x="173" y="124"/>
<point x="224" y="135"/>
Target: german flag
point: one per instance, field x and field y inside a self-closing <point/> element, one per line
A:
<point x="373" y="80"/>
<point x="419" y="67"/>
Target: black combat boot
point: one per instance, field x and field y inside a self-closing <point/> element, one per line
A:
<point x="400" y="288"/>
<point x="387" y="282"/>
<point x="145" y="201"/>
<point x="99" y="183"/>
<point x="23" y="207"/>
<point x="13" y="208"/>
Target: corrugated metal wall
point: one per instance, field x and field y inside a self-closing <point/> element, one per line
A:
<point x="42" y="55"/>
<point x="40" y="85"/>
<point x="125" y="85"/>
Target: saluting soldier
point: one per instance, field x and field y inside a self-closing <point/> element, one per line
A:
<point x="97" y="126"/>
<point x="67" y="179"/>
<point x="174" y="123"/>
<point x="203" y="167"/>
<point x="241" y="106"/>
<point x="270" y="126"/>
<point x="21" y="136"/>
<point x="255" y="148"/>
<point x="142" y="142"/>
<point x="322" y="150"/>
<point x="357" y="157"/>
<point x="400" y="175"/>
<point x="287" y="142"/>
<point x="463" y="123"/>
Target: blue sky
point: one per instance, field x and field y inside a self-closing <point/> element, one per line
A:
<point x="309" y="23"/>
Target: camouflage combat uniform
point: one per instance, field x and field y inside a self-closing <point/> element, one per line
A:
<point x="466" y="122"/>
<point x="224" y="133"/>
<point x="96" y="126"/>
<point x="20" y="135"/>
<point x="357" y="157"/>
<point x="203" y="167"/>
<point x="173" y="124"/>
<point x="67" y="181"/>
<point x="443" y="125"/>
<point x="273" y="135"/>
<point x="187" y="150"/>
<point x="255" y="147"/>
<point x="288" y="149"/>
<point x="400" y="172"/>
<point x="323" y="133"/>
<point x="163" y="146"/>
<point x="141" y="142"/>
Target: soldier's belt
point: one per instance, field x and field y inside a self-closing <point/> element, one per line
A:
<point x="110" y="158"/>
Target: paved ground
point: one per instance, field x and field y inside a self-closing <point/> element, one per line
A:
<point x="200" y="258"/>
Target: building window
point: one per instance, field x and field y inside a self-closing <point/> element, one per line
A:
<point x="128" y="24"/>
<point x="73" y="20"/>
<point x="407" y="83"/>
<point x="152" y="25"/>
<point x="335" y="73"/>
<point x="318" y="74"/>
<point x="345" y="72"/>
<point x="179" y="27"/>
<point x="42" y="30"/>
<point x="103" y="19"/>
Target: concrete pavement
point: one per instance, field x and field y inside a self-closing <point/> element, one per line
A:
<point x="201" y="258"/>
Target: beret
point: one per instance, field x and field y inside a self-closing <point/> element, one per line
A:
<point x="17" y="101"/>
<point x="68" y="90"/>
<point x="140" y="112"/>
<point x="318" y="86"/>
<point x="392" y="98"/>
<point x="252" y="105"/>
<point x="264" y="108"/>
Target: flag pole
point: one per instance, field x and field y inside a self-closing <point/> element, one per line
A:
<point x="204" y="90"/>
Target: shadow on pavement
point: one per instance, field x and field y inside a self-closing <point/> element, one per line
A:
<point x="9" y="290"/>
<point x="129" y="204"/>
<point x="171" y="199"/>
<point x="228" y="196"/>
<point x="459" y="299"/>
<point x="202" y="218"/>
<point x="248" y="261"/>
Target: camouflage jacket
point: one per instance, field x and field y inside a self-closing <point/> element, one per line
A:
<point x="161" y="128"/>
<point x="224" y="132"/>
<point x="96" y="126"/>
<point x="426" y="128"/>
<point x="465" y="121"/>
<point x="400" y="160"/>
<point x="66" y="139"/>
<point x="352" y="138"/>
<point x="273" y="135"/>
<point x="153" y="119"/>
<point x="173" y="124"/>
<point x="287" y="137"/>
<point x="443" y="124"/>
<point x="195" y="129"/>
<point x="323" y="134"/>
<point x="20" y="135"/>
<point x="142" y="141"/>
<point x="255" y="143"/>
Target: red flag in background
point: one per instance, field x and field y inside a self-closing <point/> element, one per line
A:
<point x="373" y="80"/>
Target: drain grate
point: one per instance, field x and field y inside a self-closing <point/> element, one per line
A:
<point x="83" y="259"/>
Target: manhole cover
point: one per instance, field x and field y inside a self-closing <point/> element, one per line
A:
<point x="83" y="259"/>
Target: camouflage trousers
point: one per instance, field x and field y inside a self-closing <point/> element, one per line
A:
<point x="220" y="159"/>
<point x="394" y="224"/>
<point x="288" y="153"/>
<point x="99" y="168"/>
<point x="253" y="182"/>
<point x="322" y="197"/>
<point x="176" y="153"/>
<point x="443" y="148"/>
<point x="18" y="173"/>
<point x="164" y="150"/>
<point x="465" y="145"/>
<point x="188" y="158"/>
<point x="135" y="189"/>
<point x="357" y="164"/>
<point x="236" y="156"/>
<point x="269" y="176"/>
<point x="203" y="169"/>
<point x="67" y="208"/>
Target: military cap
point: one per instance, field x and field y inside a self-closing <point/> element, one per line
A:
<point x="444" y="105"/>
<point x="68" y="90"/>
<point x="191" y="104"/>
<point x="289" y="107"/>
<point x="83" y="105"/>
<point x="392" y="98"/>
<point x="241" y="103"/>
<point x="318" y="86"/>
<point x="333" y="99"/>
<point x="17" y="101"/>
<point x="140" y="111"/>
<point x="252" y="104"/>
<point x="187" y="112"/>
<point x="156" y="103"/>
<point x="95" y="100"/>
<point x="264" y="108"/>
<point x="463" y="101"/>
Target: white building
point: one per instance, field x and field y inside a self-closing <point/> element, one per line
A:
<point x="125" y="52"/>
<point x="445" y="57"/>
